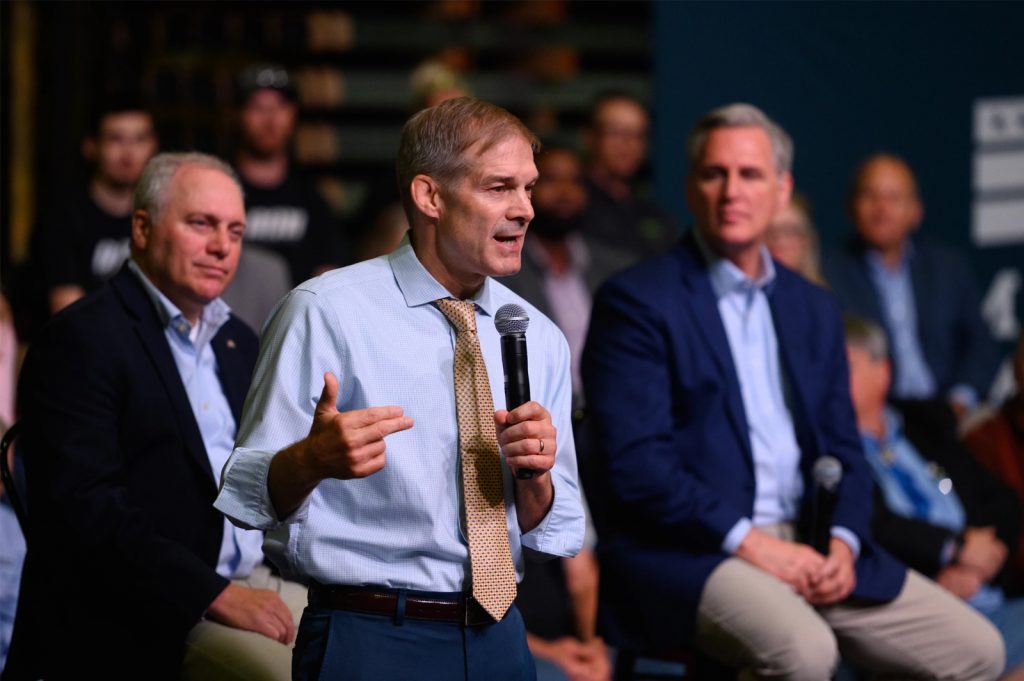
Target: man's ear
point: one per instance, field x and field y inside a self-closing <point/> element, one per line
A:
<point x="142" y="227"/>
<point x="426" y="196"/>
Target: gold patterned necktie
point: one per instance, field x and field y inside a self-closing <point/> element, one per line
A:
<point x="492" y="571"/>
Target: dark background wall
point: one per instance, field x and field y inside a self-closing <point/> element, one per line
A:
<point x="846" y="79"/>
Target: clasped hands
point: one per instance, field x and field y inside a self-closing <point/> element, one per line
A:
<point x="979" y="560"/>
<point x="820" y="580"/>
<point x="351" y="444"/>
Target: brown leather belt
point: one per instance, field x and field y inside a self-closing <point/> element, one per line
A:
<point x="418" y="606"/>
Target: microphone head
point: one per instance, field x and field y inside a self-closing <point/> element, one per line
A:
<point x="511" y="319"/>
<point x="828" y="472"/>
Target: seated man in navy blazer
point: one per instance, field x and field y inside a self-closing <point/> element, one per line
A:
<point x="130" y="400"/>
<point x="716" y="378"/>
<point x="923" y="295"/>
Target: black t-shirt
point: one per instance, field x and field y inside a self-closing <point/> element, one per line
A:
<point x="543" y="601"/>
<point x="294" y="221"/>
<point x="80" y="243"/>
<point x="635" y="225"/>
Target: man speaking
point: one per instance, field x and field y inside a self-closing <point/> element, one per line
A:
<point x="371" y="442"/>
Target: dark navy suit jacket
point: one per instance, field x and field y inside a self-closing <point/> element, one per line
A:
<point x="955" y="341"/>
<point x="671" y="464"/>
<point x="123" y="538"/>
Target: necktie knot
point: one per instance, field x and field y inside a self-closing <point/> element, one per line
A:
<point x="460" y="313"/>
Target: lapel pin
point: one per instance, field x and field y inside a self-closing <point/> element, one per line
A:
<point x="230" y="343"/>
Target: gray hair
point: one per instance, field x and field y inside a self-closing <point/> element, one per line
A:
<point x="867" y="335"/>
<point x="435" y="140"/>
<point x="151" y="191"/>
<point x="737" y="116"/>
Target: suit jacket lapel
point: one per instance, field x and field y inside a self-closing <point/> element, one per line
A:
<point x="867" y="295"/>
<point x="231" y="370"/>
<point x="147" y="329"/>
<point x="919" y="278"/>
<point x="701" y="299"/>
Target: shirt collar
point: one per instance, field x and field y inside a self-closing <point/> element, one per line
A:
<point x="727" y="278"/>
<point x="875" y="262"/>
<point x="419" y="287"/>
<point x="215" y="314"/>
<point x="893" y="429"/>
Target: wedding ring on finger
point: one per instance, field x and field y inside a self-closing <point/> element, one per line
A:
<point x="541" y="441"/>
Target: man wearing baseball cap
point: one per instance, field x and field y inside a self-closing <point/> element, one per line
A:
<point x="286" y="214"/>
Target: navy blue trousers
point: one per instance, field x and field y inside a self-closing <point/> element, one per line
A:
<point x="348" y="646"/>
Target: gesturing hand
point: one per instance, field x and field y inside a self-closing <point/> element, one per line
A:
<point x="349" y="444"/>
<point x="340" y="445"/>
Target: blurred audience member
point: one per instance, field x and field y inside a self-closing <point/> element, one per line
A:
<point x="13" y="553"/>
<point x="793" y="241"/>
<point x="130" y="403"/>
<point x="561" y="267"/>
<point x="260" y="282"/>
<point x="937" y="509"/>
<point x="923" y="296"/>
<point x="8" y="363"/>
<point x="714" y="381"/>
<point x="285" y="212"/>
<point x="84" y="239"/>
<point x="431" y="83"/>
<point x="619" y="213"/>
<point x="558" y="601"/>
<point x="998" y="443"/>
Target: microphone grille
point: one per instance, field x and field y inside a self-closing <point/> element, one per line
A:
<point x="511" y="319"/>
<point x="828" y="472"/>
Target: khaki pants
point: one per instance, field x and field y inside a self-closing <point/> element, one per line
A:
<point x="215" y="652"/>
<point x="750" y="619"/>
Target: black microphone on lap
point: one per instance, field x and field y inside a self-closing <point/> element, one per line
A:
<point x="511" y="322"/>
<point x="827" y="473"/>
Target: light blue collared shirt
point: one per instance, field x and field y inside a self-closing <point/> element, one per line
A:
<point x="933" y="498"/>
<point x="893" y="457"/>
<point x="568" y="298"/>
<point x="240" y="550"/>
<point x="375" y="327"/>
<point x="747" y="317"/>
<point x="912" y="377"/>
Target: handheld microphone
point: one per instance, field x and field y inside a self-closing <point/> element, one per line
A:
<point x="827" y="473"/>
<point x="511" y="321"/>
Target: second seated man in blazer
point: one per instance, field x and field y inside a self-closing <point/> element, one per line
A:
<point x="715" y="379"/>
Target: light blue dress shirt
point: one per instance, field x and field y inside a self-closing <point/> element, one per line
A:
<point x="914" y="489"/>
<point x="374" y="326"/>
<point x="12" y="556"/>
<point x="913" y="379"/>
<point x="568" y="298"/>
<point x="747" y="317"/>
<point x="241" y="550"/>
<point x="911" y="487"/>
